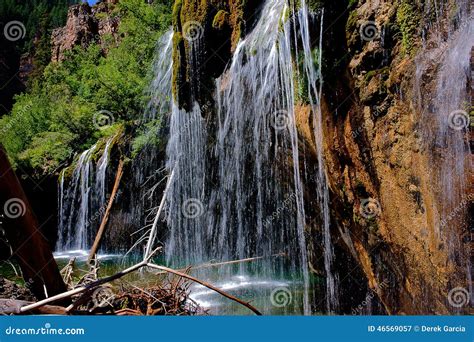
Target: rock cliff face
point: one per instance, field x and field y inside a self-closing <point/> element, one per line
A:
<point x="85" y="24"/>
<point x="377" y="149"/>
<point x="385" y="198"/>
<point x="215" y="26"/>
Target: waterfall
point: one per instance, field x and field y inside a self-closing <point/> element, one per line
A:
<point x="445" y="130"/>
<point x="82" y="200"/>
<point x="451" y="108"/>
<point x="236" y="193"/>
<point x="75" y="204"/>
<point x="102" y="174"/>
<point x="148" y="168"/>
<point x="315" y="81"/>
<point x="159" y="90"/>
<point x="446" y="117"/>
<point x="186" y="151"/>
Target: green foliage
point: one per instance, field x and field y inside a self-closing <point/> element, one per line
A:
<point x="148" y="136"/>
<point x="303" y="89"/>
<point x="408" y="22"/>
<point x="38" y="18"/>
<point x="352" y="4"/>
<point x="46" y="149"/>
<point x="58" y="115"/>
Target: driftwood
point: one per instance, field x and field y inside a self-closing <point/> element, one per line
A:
<point x="145" y="263"/>
<point x="67" y="273"/>
<point x="209" y="286"/>
<point x="29" y="246"/>
<point x="231" y="262"/>
<point x="13" y="307"/>
<point x="103" y="224"/>
<point x="151" y="237"/>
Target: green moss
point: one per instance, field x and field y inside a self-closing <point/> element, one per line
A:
<point x="315" y="5"/>
<point x="237" y="20"/>
<point x="352" y="3"/>
<point x="148" y="136"/>
<point x="384" y="72"/>
<point x="178" y="41"/>
<point x="408" y="20"/>
<point x="352" y="20"/>
<point x="220" y="20"/>
<point x="176" y="15"/>
<point x="301" y="78"/>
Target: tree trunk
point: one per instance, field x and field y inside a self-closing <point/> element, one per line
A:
<point x="23" y="232"/>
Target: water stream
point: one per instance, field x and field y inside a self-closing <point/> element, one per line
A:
<point x="445" y="128"/>
<point x="237" y="191"/>
<point x="236" y="194"/>
<point x="82" y="200"/>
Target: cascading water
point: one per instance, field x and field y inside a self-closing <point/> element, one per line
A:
<point x="446" y="126"/>
<point x="315" y="82"/>
<point x="160" y="88"/>
<point x="83" y="197"/>
<point x="81" y="200"/>
<point x="101" y="182"/>
<point x="243" y="197"/>
<point x="148" y="168"/>
<point x="74" y="207"/>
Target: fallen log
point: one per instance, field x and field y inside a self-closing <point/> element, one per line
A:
<point x="13" y="307"/>
<point x="144" y="263"/>
<point x="151" y="238"/>
<point x="231" y="262"/>
<point x="209" y="286"/>
<point x="103" y="224"/>
<point x="29" y="246"/>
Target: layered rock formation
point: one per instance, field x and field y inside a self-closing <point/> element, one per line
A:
<point x="85" y="24"/>
<point x="215" y="27"/>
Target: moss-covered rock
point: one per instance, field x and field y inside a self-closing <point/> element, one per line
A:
<point x="213" y="26"/>
<point x="220" y="20"/>
<point x="408" y="20"/>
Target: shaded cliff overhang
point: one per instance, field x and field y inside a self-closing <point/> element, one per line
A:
<point x="206" y="34"/>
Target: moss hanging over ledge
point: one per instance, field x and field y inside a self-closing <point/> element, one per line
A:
<point x="214" y="27"/>
<point x="220" y="20"/>
<point x="408" y="19"/>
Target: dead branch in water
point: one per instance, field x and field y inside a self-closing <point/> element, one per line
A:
<point x="151" y="237"/>
<point x="209" y="286"/>
<point x="145" y="263"/>
<point x="13" y="307"/>
<point x="231" y="262"/>
<point x="103" y="224"/>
